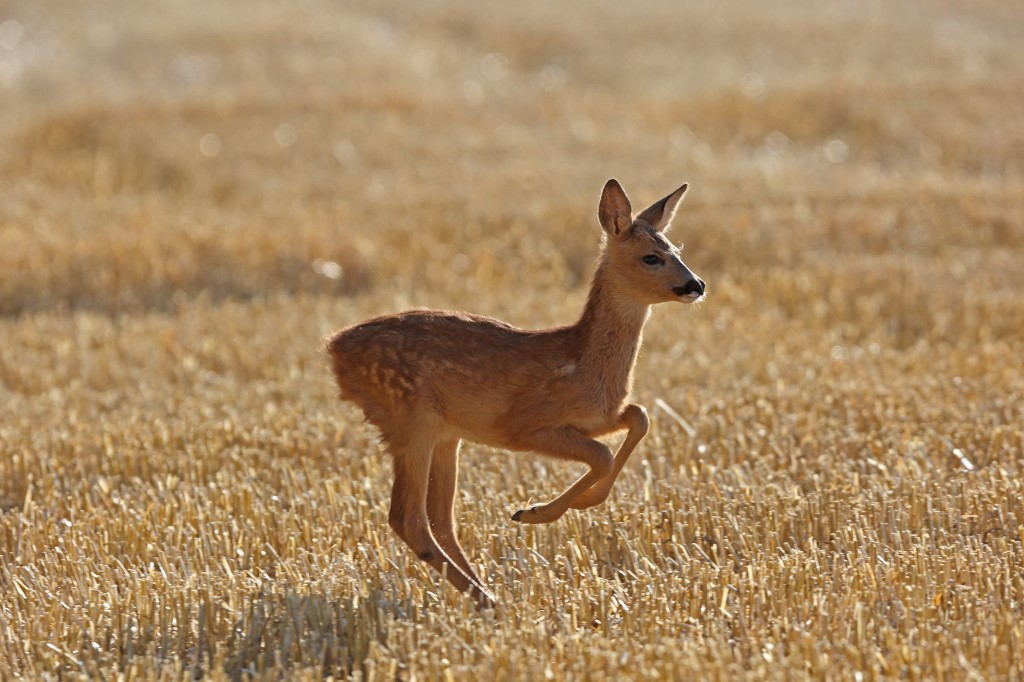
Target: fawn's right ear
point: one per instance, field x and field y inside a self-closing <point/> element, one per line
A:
<point x="659" y="214"/>
<point x="614" y="212"/>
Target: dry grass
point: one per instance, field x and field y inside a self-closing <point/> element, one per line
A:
<point x="192" y="196"/>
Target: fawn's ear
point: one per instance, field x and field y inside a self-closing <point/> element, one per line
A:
<point x="614" y="211"/>
<point x="659" y="214"/>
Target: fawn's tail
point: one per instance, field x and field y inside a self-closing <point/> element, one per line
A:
<point x="350" y="369"/>
<point x="335" y="348"/>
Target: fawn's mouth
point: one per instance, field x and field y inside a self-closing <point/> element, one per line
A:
<point x="689" y="294"/>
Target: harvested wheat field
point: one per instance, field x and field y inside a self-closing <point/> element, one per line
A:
<point x="193" y="196"/>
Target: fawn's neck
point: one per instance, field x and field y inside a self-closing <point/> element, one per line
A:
<point x="610" y="329"/>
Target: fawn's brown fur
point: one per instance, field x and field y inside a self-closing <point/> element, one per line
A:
<point x="429" y="379"/>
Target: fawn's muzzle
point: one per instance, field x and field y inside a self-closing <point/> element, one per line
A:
<point x="695" y="287"/>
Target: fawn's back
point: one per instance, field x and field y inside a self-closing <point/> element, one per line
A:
<point x="479" y="378"/>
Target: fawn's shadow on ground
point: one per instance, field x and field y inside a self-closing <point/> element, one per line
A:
<point x="284" y="631"/>
<point x="276" y="634"/>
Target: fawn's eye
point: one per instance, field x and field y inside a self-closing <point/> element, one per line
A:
<point x="652" y="259"/>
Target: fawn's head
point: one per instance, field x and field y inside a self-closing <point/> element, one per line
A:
<point x="645" y="264"/>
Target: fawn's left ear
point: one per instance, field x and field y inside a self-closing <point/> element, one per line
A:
<point x="614" y="211"/>
<point x="659" y="214"/>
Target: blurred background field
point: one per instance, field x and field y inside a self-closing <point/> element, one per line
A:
<point x="193" y="195"/>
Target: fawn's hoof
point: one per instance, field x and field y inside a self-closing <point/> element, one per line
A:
<point x="486" y="600"/>
<point x="535" y="514"/>
<point x="518" y="516"/>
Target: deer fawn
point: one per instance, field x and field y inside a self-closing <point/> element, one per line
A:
<point x="429" y="379"/>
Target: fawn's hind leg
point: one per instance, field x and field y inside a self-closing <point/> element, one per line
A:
<point x="634" y="417"/>
<point x="444" y="470"/>
<point x="565" y="443"/>
<point x="408" y="515"/>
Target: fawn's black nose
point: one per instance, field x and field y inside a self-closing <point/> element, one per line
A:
<point x="694" y="286"/>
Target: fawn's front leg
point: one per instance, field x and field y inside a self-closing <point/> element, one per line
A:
<point x="566" y="443"/>
<point x="634" y="418"/>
